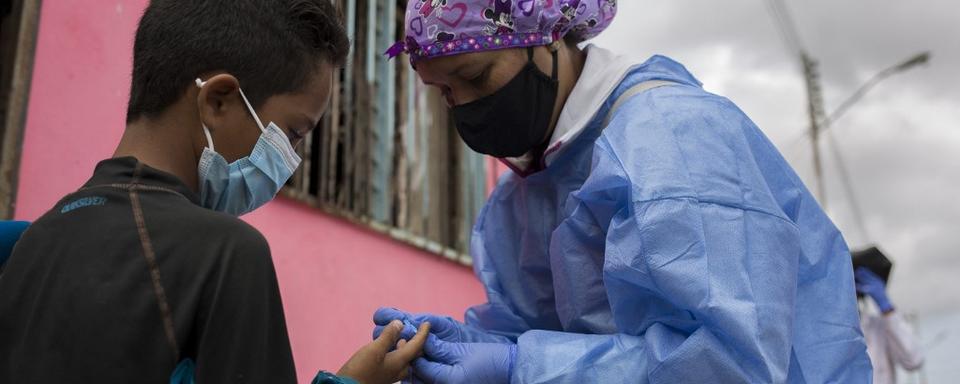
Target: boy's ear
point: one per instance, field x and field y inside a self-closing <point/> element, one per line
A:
<point x="216" y="97"/>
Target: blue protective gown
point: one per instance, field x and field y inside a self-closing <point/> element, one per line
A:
<point x="675" y="245"/>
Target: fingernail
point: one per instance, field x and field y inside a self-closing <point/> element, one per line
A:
<point x="397" y="324"/>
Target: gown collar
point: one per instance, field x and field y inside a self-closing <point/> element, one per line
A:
<point x="602" y="72"/>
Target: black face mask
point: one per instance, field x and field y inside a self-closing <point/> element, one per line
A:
<point x="513" y="120"/>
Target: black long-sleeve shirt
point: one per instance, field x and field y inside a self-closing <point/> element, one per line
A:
<point x="129" y="275"/>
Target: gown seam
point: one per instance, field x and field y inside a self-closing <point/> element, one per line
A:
<point x="697" y="199"/>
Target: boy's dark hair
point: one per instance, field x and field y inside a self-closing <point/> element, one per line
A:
<point x="271" y="46"/>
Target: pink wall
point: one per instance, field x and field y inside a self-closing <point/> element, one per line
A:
<point x="332" y="275"/>
<point x="495" y="169"/>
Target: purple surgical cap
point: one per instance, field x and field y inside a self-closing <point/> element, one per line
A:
<point x="437" y="28"/>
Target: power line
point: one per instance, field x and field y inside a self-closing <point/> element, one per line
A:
<point x="811" y="73"/>
<point x="820" y="121"/>
<point x="788" y="30"/>
<point x="788" y="21"/>
<point x="847" y="185"/>
<point x="914" y="61"/>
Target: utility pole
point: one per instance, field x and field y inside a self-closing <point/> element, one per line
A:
<point x="820" y="122"/>
<point x="817" y="114"/>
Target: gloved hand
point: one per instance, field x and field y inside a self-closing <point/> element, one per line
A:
<point x="446" y="328"/>
<point x="868" y="283"/>
<point x="445" y="362"/>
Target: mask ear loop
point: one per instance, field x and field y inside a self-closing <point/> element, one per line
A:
<point x="554" y="49"/>
<point x="206" y="131"/>
<point x="252" y="111"/>
<point x="201" y="83"/>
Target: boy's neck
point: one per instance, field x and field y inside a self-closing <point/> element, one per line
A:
<point x="162" y="144"/>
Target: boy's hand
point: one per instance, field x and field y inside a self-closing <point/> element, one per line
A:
<point x="374" y="363"/>
<point x="444" y="327"/>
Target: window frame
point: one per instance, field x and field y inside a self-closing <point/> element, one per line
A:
<point x="386" y="156"/>
<point x="18" y="74"/>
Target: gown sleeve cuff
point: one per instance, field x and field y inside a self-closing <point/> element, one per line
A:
<point x="324" y="377"/>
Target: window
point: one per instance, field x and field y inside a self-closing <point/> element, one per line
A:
<point x="386" y="154"/>
<point x="18" y="32"/>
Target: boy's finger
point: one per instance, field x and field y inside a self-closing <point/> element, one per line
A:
<point x="411" y="350"/>
<point x="408" y="331"/>
<point x="389" y="337"/>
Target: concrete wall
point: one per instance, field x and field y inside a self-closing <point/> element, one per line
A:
<point x="332" y="274"/>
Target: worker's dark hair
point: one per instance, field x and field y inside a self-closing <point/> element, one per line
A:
<point x="271" y="46"/>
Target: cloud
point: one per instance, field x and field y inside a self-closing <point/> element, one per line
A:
<point x="901" y="143"/>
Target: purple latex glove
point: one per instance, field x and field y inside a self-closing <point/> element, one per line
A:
<point x="467" y="363"/>
<point x="868" y="283"/>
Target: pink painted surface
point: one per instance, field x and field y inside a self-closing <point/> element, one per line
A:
<point x="495" y="169"/>
<point x="332" y="275"/>
<point x="78" y="97"/>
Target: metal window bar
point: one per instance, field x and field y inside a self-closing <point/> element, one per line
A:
<point x="385" y="155"/>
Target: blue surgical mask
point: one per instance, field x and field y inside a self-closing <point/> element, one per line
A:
<point x="252" y="181"/>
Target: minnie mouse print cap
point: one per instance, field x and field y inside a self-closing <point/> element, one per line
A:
<point x="437" y="28"/>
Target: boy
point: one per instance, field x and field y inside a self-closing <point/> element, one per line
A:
<point x="146" y="268"/>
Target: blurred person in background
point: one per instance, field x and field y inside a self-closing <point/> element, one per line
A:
<point x="649" y="231"/>
<point x="890" y="343"/>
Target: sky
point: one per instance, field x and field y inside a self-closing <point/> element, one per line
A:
<point x="900" y="143"/>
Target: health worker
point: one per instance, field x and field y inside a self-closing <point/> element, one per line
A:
<point x="648" y="230"/>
